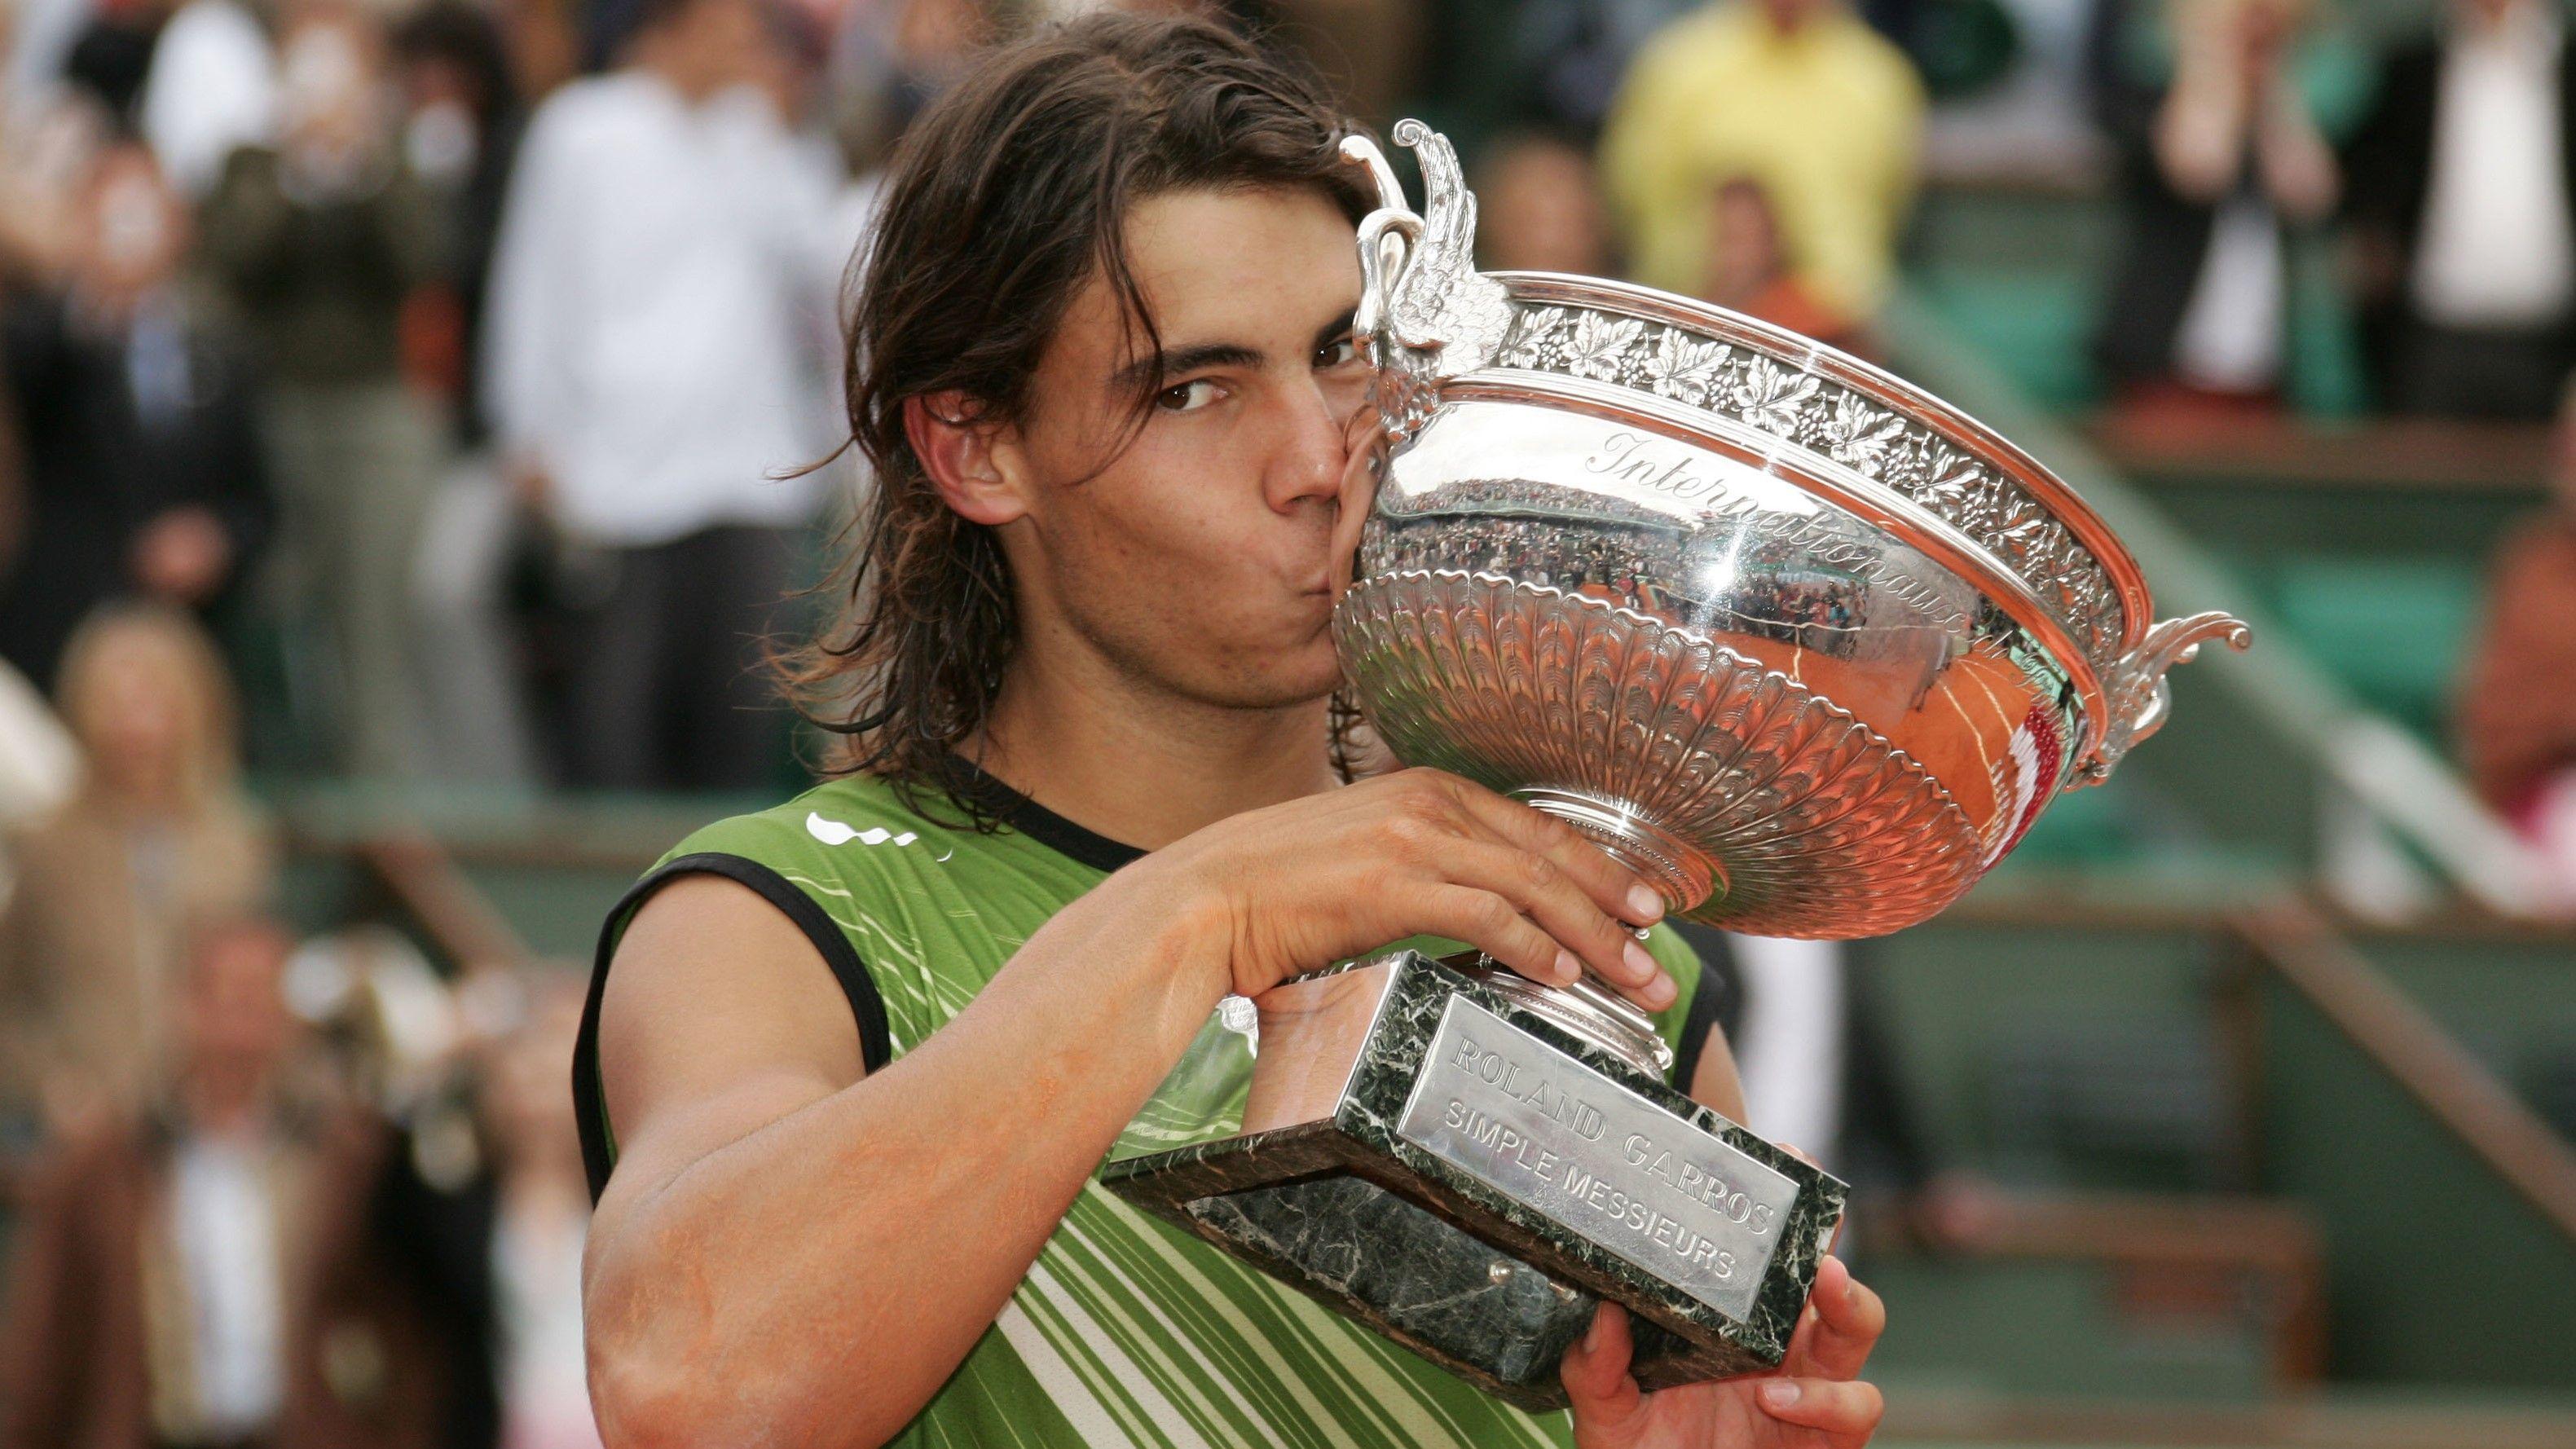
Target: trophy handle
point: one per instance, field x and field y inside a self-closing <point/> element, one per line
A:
<point x="2138" y="696"/>
<point x="1428" y="314"/>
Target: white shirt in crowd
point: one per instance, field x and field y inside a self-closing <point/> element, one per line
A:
<point x="1789" y="1044"/>
<point x="662" y="311"/>
<point x="545" y="1391"/>
<point x="2496" y="249"/>
<point x="2229" y="339"/>
<point x="212" y="89"/>
<point x="225" y="1220"/>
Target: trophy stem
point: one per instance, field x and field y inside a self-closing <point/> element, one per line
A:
<point x="1686" y="878"/>
<point x="1590" y="1012"/>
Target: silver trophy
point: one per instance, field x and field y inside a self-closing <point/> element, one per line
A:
<point x="1802" y="646"/>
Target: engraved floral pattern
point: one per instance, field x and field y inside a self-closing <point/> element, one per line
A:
<point x="1600" y="345"/>
<point x="1770" y="396"/>
<point x="1537" y="340"/>
<point x="1844" y="425"/>
<point x="1953" y="486"/>
<point x="1685" y="368"/>
<point x="1857" y="434"/>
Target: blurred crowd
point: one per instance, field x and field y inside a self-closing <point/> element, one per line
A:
<point x="470" y="367"/>
<point x="446" y="391"/>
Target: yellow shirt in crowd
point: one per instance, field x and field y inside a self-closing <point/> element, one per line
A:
<point x="1827" y="117"/>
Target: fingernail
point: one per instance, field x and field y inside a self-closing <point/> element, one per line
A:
<point x="1644" y="906"/>
<point x="1641" y="961"/>
<point x="1568" y="969"/>
<point x="1660" y="992"/>
<point x="1592" y="1335"/>
<point x="1780" y="1395"/>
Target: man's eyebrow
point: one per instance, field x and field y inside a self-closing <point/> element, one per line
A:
<point x="1174" y="361"/>
<point x="1179" y="361"/>
<point x="1334" y="330"/>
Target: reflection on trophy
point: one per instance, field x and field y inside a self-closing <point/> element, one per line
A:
<point x="1805" y="648"/>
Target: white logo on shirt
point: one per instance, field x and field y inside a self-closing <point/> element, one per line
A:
<point x="833" y="832"/>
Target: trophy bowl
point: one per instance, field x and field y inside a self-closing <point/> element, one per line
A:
<point x="1804" y="647"/>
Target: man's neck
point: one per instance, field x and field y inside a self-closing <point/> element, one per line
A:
<point x="228" y="1105"/>
<point x="1140" y="767"/>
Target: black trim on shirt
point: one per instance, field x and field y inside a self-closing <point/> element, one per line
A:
<point x="1038" y="823"/>
<point x="590" y="1107"/>
<point x="1713" y="1004"/>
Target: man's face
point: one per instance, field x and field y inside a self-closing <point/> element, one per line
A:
<point x="1204" y="559"/>
<point x="724" y="39"/>
<point x="235" y="1019"/>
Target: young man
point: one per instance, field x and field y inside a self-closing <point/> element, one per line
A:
<point x="852" y="1062"/>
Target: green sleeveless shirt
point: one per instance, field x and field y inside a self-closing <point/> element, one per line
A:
<point x="1125" y="1331"/>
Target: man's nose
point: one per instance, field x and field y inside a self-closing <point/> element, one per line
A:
<point x="1311" y="449"/>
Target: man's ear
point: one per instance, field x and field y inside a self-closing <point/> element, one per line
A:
<point x="959" y="453"/>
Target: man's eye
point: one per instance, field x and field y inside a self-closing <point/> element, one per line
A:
<point x="1187" y="397"/>
<point x="1337" y="352"/>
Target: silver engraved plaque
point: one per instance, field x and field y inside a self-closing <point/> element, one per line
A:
<point x="1556" y="1136"/>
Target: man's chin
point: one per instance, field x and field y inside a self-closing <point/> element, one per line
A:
<point x="1295" y="677"/>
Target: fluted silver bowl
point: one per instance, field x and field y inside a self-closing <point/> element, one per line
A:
<point x="1806" y="647"/>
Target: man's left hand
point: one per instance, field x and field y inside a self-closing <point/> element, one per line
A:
<point x="1814" y="1400"/>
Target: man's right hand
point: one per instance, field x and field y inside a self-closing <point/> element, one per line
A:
<point x="1303" y="884"/>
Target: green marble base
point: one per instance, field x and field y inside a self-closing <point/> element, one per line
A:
<point x="1486" y="1248"/>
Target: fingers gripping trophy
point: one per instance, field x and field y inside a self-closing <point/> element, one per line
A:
<point x="1805" y="648"/>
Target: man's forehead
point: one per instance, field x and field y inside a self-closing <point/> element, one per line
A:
<point x="1225" y="267"/>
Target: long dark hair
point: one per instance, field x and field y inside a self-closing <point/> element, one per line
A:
<point x="1010" y="192"/>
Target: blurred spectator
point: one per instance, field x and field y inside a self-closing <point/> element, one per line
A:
<point x="196" y="81"/>
<point x="110" y="55"/>
<point x="460" y="132"/>
<point x="214" y="87"/>
<point x="1748" y="269"/>
<point x="2517" y="710"/>
<point x="542" y="1212"/>
<point x="2462" y="178"/>
<point x="48" y="153"/>
<point x="1797" y="95"/>
<point x="143" y="472"/>
<point x="321" y="240"/>
<point x="1488" y="67"/>
<point x="495" y="1256"/>
<point x="196" y="1276"/>
<point x="36" y="39"/>
<point x="658" y="342"/>
<point x="2223" y="164"/>
<point x="157" y="834"/>
<point x="1540" y="208"/>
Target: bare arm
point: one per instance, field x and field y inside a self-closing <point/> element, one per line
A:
<point x="791" y="1254"/>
